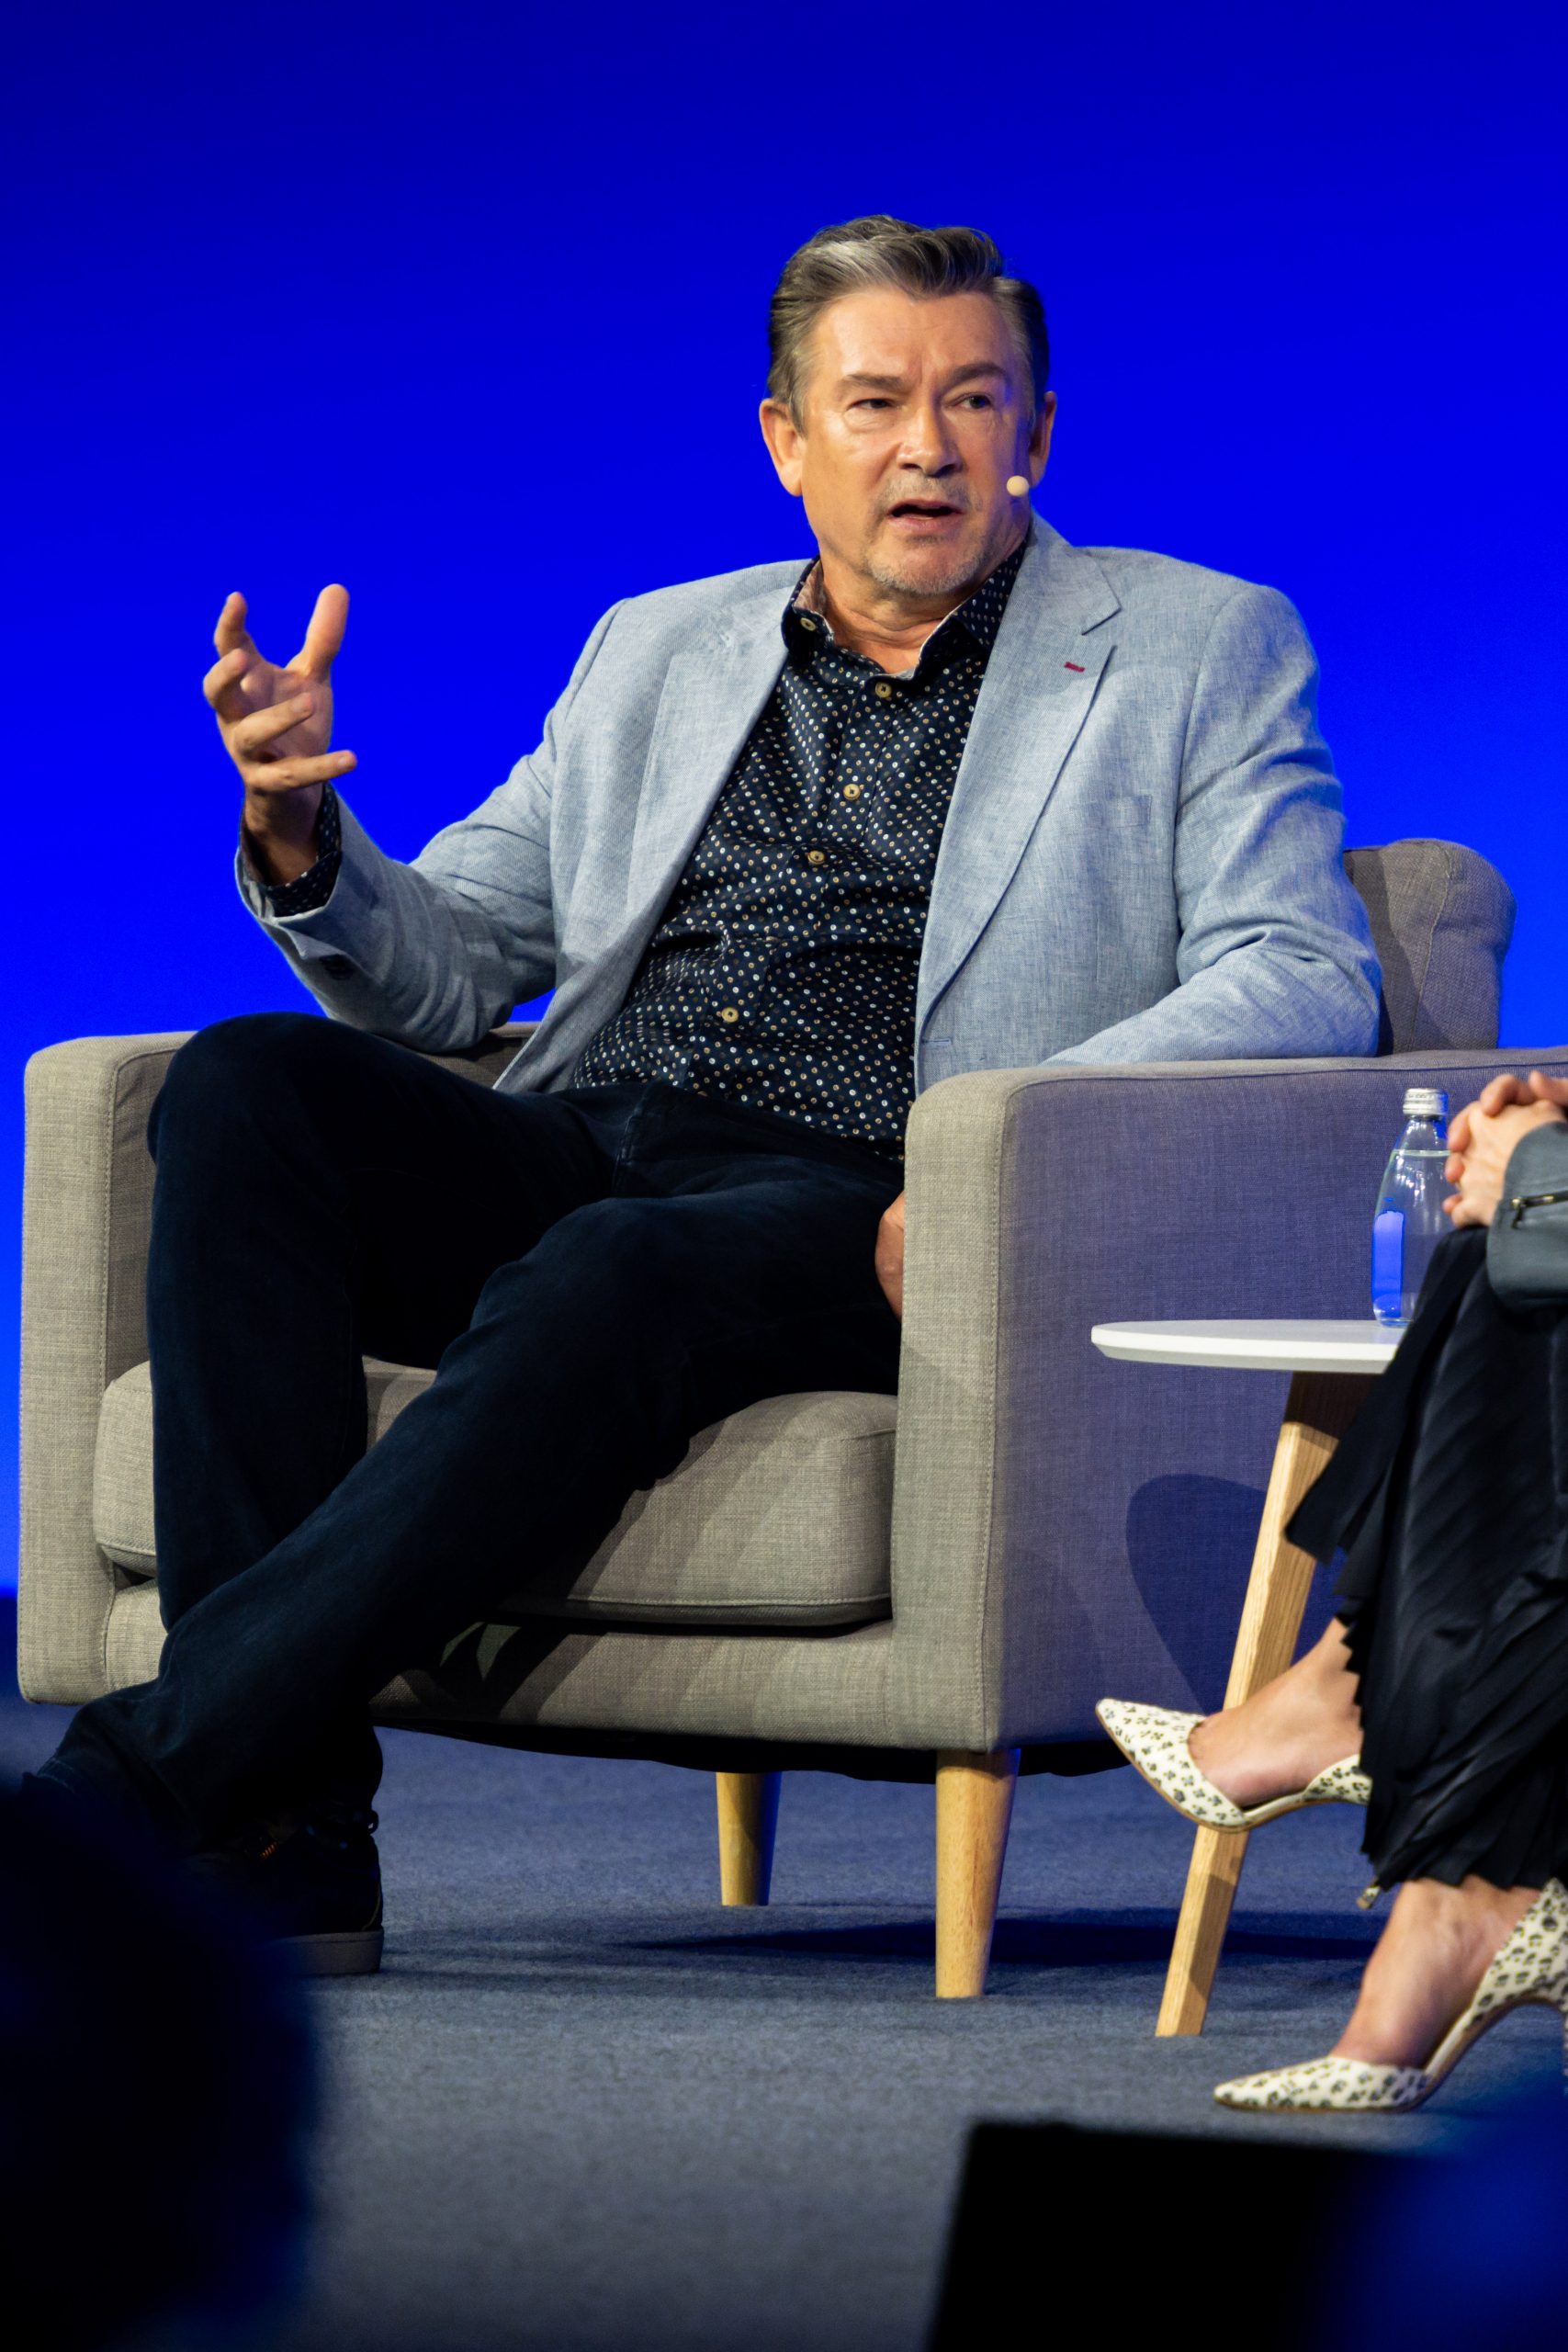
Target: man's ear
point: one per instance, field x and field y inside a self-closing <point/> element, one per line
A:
<point x="1040" y="438"/>
<point x="784" y="440"/>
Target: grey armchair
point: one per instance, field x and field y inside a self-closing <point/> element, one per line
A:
<point x="921" y="1588"/>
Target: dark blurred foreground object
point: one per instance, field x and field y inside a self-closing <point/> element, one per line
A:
<point x="1140" y="2222"/>
<point x="1283" y="2243"/>
<point x="1470" y="2255"/>
<point x="152" y="2061"/>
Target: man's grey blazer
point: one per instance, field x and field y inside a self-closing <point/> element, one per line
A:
<point x="1141" y="861"/>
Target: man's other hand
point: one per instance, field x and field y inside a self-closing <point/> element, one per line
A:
<point x="890" y="1255"/>
<point x="277" y="724"/>
<point x="1484" y="1134"/>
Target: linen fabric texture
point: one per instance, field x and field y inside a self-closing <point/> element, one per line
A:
<point x="603" y="1277"/>
<point x="1059" y="1522"/>
<point x="778" y="1514"/>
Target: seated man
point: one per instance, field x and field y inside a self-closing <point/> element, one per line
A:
<point x="797" y="843"/>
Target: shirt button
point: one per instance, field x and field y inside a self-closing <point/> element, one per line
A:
<point x="852" y="792"/>
<point x="817" y="857"/>
<point x="883" y="690"/>
<point x="807" y="622"/>
<point x="728" y="1013"/>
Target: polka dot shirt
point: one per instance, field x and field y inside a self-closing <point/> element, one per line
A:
<point x="314" y="887"/>
<point x="782" y="972"/>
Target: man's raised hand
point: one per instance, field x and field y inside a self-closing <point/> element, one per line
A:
<point x="277" y="724"/>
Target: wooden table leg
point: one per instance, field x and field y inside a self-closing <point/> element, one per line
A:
<point x="1319" y="1409"/>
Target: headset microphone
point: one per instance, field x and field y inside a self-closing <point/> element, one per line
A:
<point x="1018" y="486"/>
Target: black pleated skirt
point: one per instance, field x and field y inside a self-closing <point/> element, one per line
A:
<point x="1448" y="1498"/>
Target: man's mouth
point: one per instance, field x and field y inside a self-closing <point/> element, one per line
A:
<point x="917" y="512"/>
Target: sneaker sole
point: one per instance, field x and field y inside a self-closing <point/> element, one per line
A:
<point x="345" y="1952"/>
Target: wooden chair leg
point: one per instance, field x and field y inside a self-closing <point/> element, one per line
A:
<point x="748" y="1816"/>
<point x="1319" y="1409"/>
<point x="973" y="1807"/>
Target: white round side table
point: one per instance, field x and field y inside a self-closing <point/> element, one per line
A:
<point x="1332" y="1366"/>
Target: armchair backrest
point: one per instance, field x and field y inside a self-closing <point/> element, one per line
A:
<point x="1441" y="921"/>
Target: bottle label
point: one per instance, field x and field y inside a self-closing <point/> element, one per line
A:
<point x="1388" y="1259"/>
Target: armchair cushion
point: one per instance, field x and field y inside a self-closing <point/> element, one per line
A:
<point x="778" y="1516"/>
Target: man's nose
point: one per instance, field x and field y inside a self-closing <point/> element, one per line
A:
<point x="929" y="447"/>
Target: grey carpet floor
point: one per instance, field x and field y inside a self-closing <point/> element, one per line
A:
<point x="584" y="2107"/>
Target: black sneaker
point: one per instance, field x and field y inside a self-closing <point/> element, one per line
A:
<point x="310" y="1885"/>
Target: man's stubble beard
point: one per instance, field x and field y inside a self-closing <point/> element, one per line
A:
<point x="959" y="580"/>
<point x="953" y="582"/>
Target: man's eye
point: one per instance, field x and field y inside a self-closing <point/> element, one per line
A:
<point x="977" y="400"/>
<point x="873" y="399"/>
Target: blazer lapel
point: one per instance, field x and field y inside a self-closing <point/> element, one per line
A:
<point x="1040" y="681"/>
<point x="714" y="691"/>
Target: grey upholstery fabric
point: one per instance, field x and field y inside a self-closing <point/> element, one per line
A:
<point x="1096" y="1520"/>
<point x="1061" y="1526"/>
<point x="777" y="1516"/>
<point x="1441" y="920"/>
<point x="87" y="1212"/>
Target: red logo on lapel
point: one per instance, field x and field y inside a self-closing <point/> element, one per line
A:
<point x="1074" y="665"/>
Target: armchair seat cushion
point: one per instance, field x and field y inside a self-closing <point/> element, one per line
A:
<point x="778" y="1516"/>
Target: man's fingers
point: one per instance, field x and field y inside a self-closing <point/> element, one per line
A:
<point x="325" y="636"/>
<point x="288" y="775"/>
<point x="221" y="684"/>
<point x="1549" y="1089"/>
<point x="230" y="635"/>
<point x="252" y="734"/>
<point x="235" y="655"/>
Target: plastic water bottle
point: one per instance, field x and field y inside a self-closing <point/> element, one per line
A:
<point x="1410" y="1223"/>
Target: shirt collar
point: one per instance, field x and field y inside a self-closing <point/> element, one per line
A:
<point x="806" y="622"/>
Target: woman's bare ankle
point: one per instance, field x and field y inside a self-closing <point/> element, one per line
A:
<point x="1282" y="1738"/>
<point x="1438" y="1945"/>
<point x="1328" y="1664"/>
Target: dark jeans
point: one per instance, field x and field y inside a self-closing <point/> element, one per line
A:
<point x="595" y="1274"/>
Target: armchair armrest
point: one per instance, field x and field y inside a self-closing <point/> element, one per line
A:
<point x="87" y="1206"/>
<point x="86" y="1213"/>
<point x="1065" y="1528"/>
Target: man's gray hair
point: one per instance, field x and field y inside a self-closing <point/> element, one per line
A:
<point x="880" y="251"/>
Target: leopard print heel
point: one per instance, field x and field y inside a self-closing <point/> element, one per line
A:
<point x="1531" y="1966"/>
<point x="1157" y="1740"/>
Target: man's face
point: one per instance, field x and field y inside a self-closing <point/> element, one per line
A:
<point x="914" y="413"/>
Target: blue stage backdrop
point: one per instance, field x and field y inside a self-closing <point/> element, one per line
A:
<point x="464" y="305"/>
